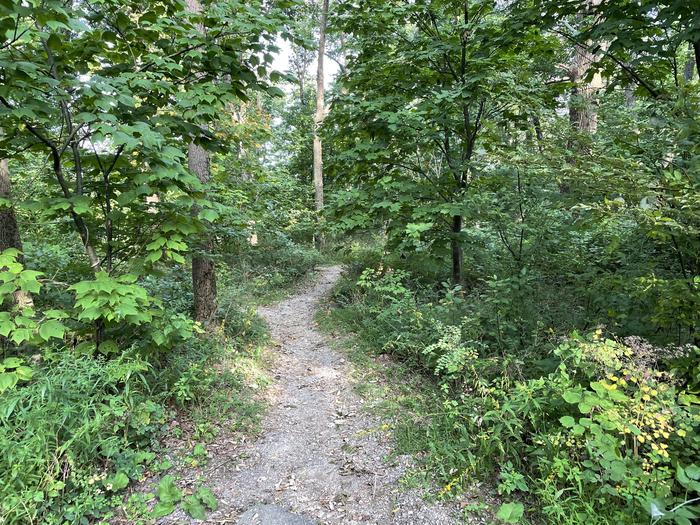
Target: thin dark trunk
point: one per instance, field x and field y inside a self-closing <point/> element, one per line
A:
<point x="457" y="274"/>
<point x="538" y="133"/>
<point x="693" y="61"/>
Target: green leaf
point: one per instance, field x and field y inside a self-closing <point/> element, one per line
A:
<point x="12" y="362"/>
<point x="117" y="482"/>
<point x="693" y="471"/>
<point x="162" y="509"/>
<point x="7" y="380"/>
<point x="510" y="512"/>
<point x="192" y="506"/>
<point x="208" y="215"/>
<point x="567" y="421"/>
<point x="108" y="347"/>
<point x="85" y="348"/>
<point x="168" y="491"/>
<point x="51" y="328"/>
<point x="20" y="335"/>
<point x="207" y="497"/>
<point x="24" y="373"/>
<point x="572" y="396"/>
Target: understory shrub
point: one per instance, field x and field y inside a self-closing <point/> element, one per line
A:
<point x="584" y="428"/>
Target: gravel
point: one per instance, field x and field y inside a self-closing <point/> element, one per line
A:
<point x="320" y="456"/>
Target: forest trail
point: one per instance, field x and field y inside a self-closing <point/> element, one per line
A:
<point x="320" y="459"/>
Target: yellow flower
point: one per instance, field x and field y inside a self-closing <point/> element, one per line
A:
<point x="680" y="432"/>
<point x="641" y="439"/>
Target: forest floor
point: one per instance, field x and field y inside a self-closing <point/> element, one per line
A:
<point x="320" y="458"/>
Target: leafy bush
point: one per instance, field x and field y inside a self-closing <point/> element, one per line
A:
<point x="76" y="415"/>
<point x="581" y="429"/>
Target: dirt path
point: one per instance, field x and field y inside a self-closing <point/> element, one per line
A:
<point x="320" y="456"/>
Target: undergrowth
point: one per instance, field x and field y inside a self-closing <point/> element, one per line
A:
<point x="76" y="432"/>
<point x="587" y="427"/>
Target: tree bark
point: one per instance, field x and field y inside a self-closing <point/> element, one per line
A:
<point x="457" y="276"/>
<point x="318" y="120"/>
<point x="691" y="64"/>
<point x="583" y="114"/>
<point x="9" y="231"/>
<point x="203" y="268"/>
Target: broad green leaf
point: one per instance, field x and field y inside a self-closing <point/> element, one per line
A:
<point x="510" y="512"/>
<point x="51" y="328"/>
<point x="168" y="491"/>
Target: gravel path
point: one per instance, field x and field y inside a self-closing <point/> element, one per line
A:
<point x="320" y="455"/>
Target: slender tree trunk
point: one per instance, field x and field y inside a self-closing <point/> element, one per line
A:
<point x="203" y="268"/>
<point x="320" y="113"/>
<point x="690" y="64"/>
<point x="696" y="51"/>
<point x="538" y="133"/>
<point x="9" y="231"/>
<point x="301" y="91"/>
<point x="457" y="276"/>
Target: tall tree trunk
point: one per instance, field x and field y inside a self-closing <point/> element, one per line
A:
<point x="302" y="102"/>
<point x="691" y="64"/>
<point x="318" y="120"/>
<point x="583" y="114"/>
<point x="9" y="231"/>
<point x="203" y="268"/>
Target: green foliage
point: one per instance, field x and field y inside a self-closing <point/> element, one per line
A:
<point x="510" y="512"/>
<point x="21" y="324"/>
<point x="197" y="504"/>
<point x="53" y="430"/>
<point x="13" y="370"/>
<point x="582" y="425"/>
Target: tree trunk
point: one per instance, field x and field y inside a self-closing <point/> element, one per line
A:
<point x="318" y="120"/>
<point x="583" y="114"/>
<point x="203" y="268"/>
<point x="690" y="64"/>
<point x="457" y="277"/>
<point x="9" y="231"/>
<point x="301" y="91"/>
<point x="538" y="133"/>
